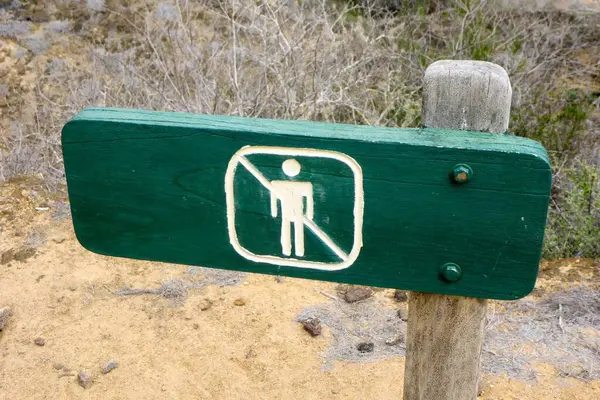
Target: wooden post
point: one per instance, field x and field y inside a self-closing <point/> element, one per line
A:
<point x="445" y="333"/>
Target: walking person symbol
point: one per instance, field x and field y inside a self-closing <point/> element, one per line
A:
<point x="291" y="195"/>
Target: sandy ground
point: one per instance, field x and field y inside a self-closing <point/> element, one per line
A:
<point x="168" y="349"/>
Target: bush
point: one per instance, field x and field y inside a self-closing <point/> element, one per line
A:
<point x="574" y="218"/>
<point x="359" y="62"/>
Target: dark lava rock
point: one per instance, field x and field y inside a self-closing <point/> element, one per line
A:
<point x="84" y="379"/>
<point x="312" y="326"/>
<point x="112" y="364"/>
<point x="400" y="296"/>
<point x="357" y="293"/>
<point x="366" y="347"/>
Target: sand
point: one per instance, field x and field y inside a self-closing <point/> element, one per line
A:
<point x="171" y="348"/>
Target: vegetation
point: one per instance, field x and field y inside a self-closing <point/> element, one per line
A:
<point x="355" y="61"/>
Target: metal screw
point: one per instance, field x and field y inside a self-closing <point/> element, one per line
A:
<point x="462" y="173"/>
<point x="451" y="272"/>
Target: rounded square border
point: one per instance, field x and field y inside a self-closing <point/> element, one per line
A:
<point x="358" y="209"/>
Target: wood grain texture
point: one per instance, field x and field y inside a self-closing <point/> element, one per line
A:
<point x="150" y="185"/>
<point x="443" y="346"/>
<point x="466" y="95"/>
<point x="445" y="333"/>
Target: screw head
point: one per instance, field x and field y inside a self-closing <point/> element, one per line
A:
<point x="462" y="173"/>
<point x="451" y="272"/>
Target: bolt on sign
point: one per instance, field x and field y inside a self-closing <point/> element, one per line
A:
<point x="450" y="212"/>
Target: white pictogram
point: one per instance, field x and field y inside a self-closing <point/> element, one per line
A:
<point x="289" y="197"/>
<point x="291" y="194"/>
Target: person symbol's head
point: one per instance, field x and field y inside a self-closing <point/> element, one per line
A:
<point x="291" y="167"/>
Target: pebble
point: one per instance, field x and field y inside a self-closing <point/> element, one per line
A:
<point x="402" y="314"/>
<point x="58" y="366"/>
<point x="312" y="326"/>
<point x="400" y="296"/>
<point x="279" y="279"/>
<point x="112" y="364"/>
<point x="366" y="347"/>
<point x="239" y="302"/>
<point x="395" y="340"/>
<point x="84" y="379"/>
<point x="4" y="314"/>
<point x="196" y="326"/>
<point x="251" y="354"/>
<point x="357" y="293"/>
<point x="205" y="304"/>
<point x="40" y="341"/>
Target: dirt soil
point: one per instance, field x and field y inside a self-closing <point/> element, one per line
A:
<point x="229" y="342"/>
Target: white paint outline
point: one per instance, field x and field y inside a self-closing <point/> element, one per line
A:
<point x="358" y="211"/>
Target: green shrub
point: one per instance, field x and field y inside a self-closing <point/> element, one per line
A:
<point x="574" y="220"/>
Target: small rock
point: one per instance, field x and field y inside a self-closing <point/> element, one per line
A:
<point x="84" y="379"/>
<point x="312" y="326"/>
<point x="239" y="302"/>
<point x="4" y="314"/>
<point x="40" y="341"/>
<point x="251" y="354"/>
<point x="279" y="279"/>
<point x="366" y="347"/>
<point x="72" y="288"/>
<point x="205" y="304"/>
<point x="7" y="256"/>
<point x="395" y="340"/>
<point x="58" y="366"/>
<point x="357" y="293"/>
<point x="196" y="326"/>
<point x="400" y="296"/>
<point x="402" y="314"/>
<point x="112" y="364"/>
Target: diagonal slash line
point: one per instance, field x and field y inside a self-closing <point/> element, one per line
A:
<point x="324" y="238"/>
<point x="252" y="169"/>
<point x="314" y="228"/>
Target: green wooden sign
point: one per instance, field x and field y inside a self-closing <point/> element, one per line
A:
<point x="450" y="212"/>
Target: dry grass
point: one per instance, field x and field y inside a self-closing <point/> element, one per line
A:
<point x="560" y="329"/>
<point x="350" y="324"/>
<point x="356" y="62"/>
<point x="176" y="290"/>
